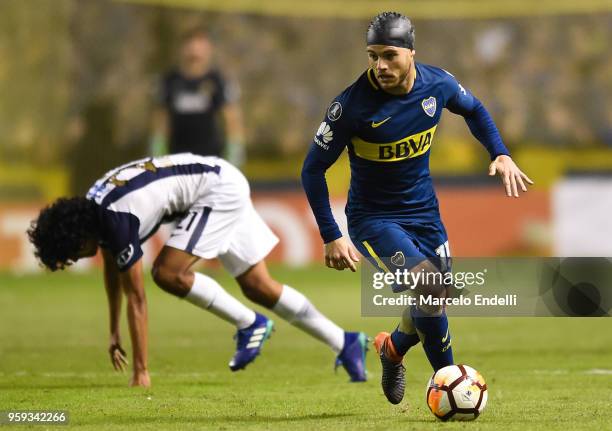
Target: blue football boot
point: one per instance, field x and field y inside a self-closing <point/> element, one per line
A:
<point x="352" y="356"/>
<point x="249" y="342"/>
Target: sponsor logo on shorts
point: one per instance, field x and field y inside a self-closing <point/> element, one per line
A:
<point x="398" y="259"/>
<point x="125" y="256"/>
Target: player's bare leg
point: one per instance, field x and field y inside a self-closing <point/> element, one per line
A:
<point x="172" y="272"/>
<point x="291" y="305"/>
<point x="258" y="286"/>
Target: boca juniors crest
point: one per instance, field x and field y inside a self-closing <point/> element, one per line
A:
<point x="429" y="106"/>
<point x="398" y="259"/>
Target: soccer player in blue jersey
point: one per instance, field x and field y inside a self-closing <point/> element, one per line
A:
<point x="387" y="120"/>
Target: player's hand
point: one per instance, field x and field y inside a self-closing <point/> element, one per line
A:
<point x="117" y="355"/>
<point x="511" y="175"/>
<point x="140" y="379"/>
<point x="339" y="254"/>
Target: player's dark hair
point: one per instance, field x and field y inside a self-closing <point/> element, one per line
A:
<point x="198" y="32"/>
<point x="62" y="229"/>
<point x="391" y="28"/>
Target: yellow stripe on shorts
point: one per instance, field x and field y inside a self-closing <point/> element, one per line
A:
<point x="375" y="256"/>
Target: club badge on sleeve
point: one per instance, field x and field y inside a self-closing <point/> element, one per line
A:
<point x="334" y="111"/>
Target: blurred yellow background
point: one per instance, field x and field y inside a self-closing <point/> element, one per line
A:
<point x="77" y="78"/>
<point x="78" y="86"/>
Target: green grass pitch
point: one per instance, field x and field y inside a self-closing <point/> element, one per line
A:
<point x="542" y="373"/>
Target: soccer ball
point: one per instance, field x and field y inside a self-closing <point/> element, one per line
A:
<point x="457" y="392"/>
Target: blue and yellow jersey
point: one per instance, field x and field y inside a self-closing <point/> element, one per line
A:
<point x="388" y="138"/>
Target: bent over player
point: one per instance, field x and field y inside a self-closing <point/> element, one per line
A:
<point x="211" y="198"/>
<point x="387" y="120"/>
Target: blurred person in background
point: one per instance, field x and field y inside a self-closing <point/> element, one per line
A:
<point x="198" y="108"/>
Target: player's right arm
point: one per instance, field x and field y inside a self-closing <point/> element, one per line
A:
<point x="114" y="296"/>
<point x="123" y="270"/>
<point x="160" y="119"/>
<point x="330" y="140"/>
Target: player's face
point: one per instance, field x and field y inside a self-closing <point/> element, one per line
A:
<point x="196" y="52"/>
<point x="391" y="64"/>
<point x="89" y="249"/>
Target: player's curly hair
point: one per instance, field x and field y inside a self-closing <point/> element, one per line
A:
<point x="62" y="229"/>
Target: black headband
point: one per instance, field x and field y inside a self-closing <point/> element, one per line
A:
<point x="396" y="31"/>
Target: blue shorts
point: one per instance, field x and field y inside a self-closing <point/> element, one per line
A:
<point x="393" y="244"/>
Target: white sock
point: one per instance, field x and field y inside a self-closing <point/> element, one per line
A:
<point x="206" y="293"/>
<point x="299" y="311"/>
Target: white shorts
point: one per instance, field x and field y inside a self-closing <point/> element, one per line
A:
<point x="224" y="224"/>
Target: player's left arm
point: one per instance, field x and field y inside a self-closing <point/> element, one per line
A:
<point x="228" y="99"/>
<point x="132" y="282"/>
<point x="460" y="101"/>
